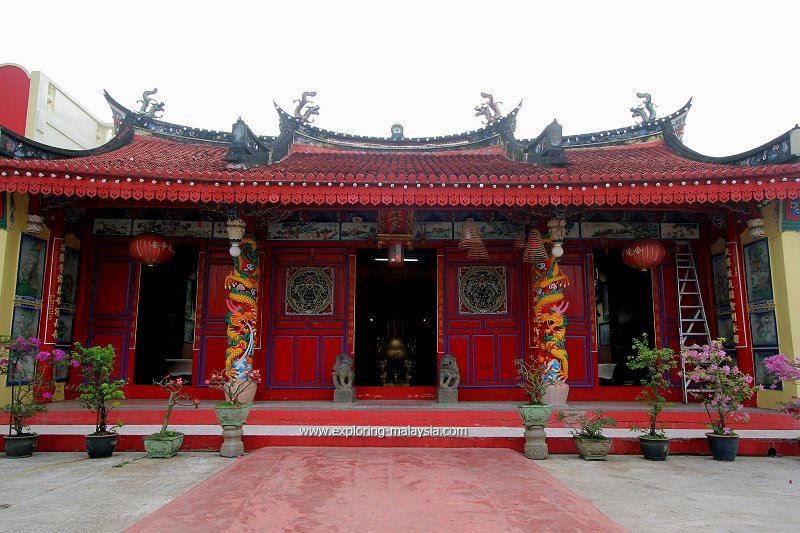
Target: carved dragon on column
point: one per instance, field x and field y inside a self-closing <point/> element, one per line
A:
<point x="549" y="310"/>
<point x="243" y="282"/>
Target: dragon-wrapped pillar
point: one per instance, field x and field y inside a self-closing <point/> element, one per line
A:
<point x="242" y="318"/>
<point x="549" y="314"/>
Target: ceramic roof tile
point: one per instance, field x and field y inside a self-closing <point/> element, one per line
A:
<point x="155" y="156"/>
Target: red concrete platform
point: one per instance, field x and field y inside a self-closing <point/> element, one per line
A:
<point x="485" y="424"/>
<point x="389" y="489"/>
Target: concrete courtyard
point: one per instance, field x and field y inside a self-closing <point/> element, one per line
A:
<point x="382" y="489"/>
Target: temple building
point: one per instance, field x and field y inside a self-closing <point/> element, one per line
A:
<point x="189" y="250"/>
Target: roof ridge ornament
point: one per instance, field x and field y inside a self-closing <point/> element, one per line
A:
<point x="149" y="106"/>
<point x="646" y="110"/>
<point x="489" y="109"/>
<point x="305" y="116"/>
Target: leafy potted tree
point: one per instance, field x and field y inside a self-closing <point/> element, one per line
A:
<point x="534" y="379"/>
<point x="657" y="364"/>
<point x="587" y="429"/>
<point x="99" y="393"/>
<point x="729" y="387"/>
<point x="24" y="365"/>
<point x="166" y="443"/>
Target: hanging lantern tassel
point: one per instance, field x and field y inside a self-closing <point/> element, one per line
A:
<point x="151" y="248"/>
<point x="643" y="253"/>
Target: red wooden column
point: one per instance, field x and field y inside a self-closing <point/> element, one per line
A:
<point x="738" y="295"/>
<point x="53" y="275"/>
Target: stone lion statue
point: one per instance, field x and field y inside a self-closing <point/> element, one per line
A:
<point x="449" y="375"/>
<point x="343" y="372"/>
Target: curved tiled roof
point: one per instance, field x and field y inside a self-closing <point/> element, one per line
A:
<point x="152" y="156"/>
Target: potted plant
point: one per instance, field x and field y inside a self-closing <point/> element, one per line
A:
<point x="99" y="393"/>
<point x="534" y="379"/>
<point x="729" y="387"/>
<point x="657" y="364"/>
<point x="233" y="412"/>
<point x="165" y="443"/>
<point x="25" y="364"/>
<point x="785" y="369"/>
<point x="587" y="429"/>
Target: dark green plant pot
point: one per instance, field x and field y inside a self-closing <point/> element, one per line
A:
<point x="723" y="447"/>
<point x="654" y="449"/>
<point x="593" y="449"/>
<point x="18" y="446"/>
<point x="162" y="446"/>
<point x="99" y="446"/>
<point x="231" y="415"/>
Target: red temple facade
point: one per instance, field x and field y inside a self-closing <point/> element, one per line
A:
<point x="399" y="250"/>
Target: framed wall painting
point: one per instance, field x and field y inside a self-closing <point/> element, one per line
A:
<point x="763" y="328"/>
<point x="722" y="298"/>
<point x="30" y="273"/>
<point x="69" y="283"/>
<point x="763" y="376"/>
<point x="757" y="272"/>
<point x="64" y="328"/>
<point x="25" y="322"/>
<point x="725" y="330"/>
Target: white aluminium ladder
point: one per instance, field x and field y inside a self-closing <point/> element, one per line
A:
<point x="692" y="322"/>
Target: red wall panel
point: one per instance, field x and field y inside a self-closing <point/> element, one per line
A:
<point x="483" y="358"/>
<point x="307" y="359"/>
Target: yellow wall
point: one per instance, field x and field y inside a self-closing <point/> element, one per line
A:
<point x="9" y="252"/>
<point x="784" y="255"/>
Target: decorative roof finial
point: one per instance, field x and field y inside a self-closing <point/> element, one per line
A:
<point x="489" y="109"/>
<point x="646" y="110"/>
<point x="149" y="106"/>
<point x="304" y="116"/>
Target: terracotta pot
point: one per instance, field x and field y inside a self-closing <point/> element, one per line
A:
<point x="246" y="395"/>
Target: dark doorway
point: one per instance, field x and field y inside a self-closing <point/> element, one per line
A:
<point x="165" y="321"/>
<point x="624" y="310"/>
<point x="395" y="319"/>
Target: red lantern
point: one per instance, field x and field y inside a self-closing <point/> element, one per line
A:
<point x="151" y="248"/>
<point x="643" y="253"/>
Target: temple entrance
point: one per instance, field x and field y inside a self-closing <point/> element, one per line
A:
<point x="624" y="311"/>
<point x="165" y="322"/>
<point x="395" y="330"/>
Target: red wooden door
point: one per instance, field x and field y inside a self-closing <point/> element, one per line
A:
<point x="112" y="317"/>
<point x="484" y="344"/>
<point x="578" y="339"/>
<point x="215" y="265"/>
<point x="306" y="336"/>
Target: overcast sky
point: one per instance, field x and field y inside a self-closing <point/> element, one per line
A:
<point x="424" y="63"/>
